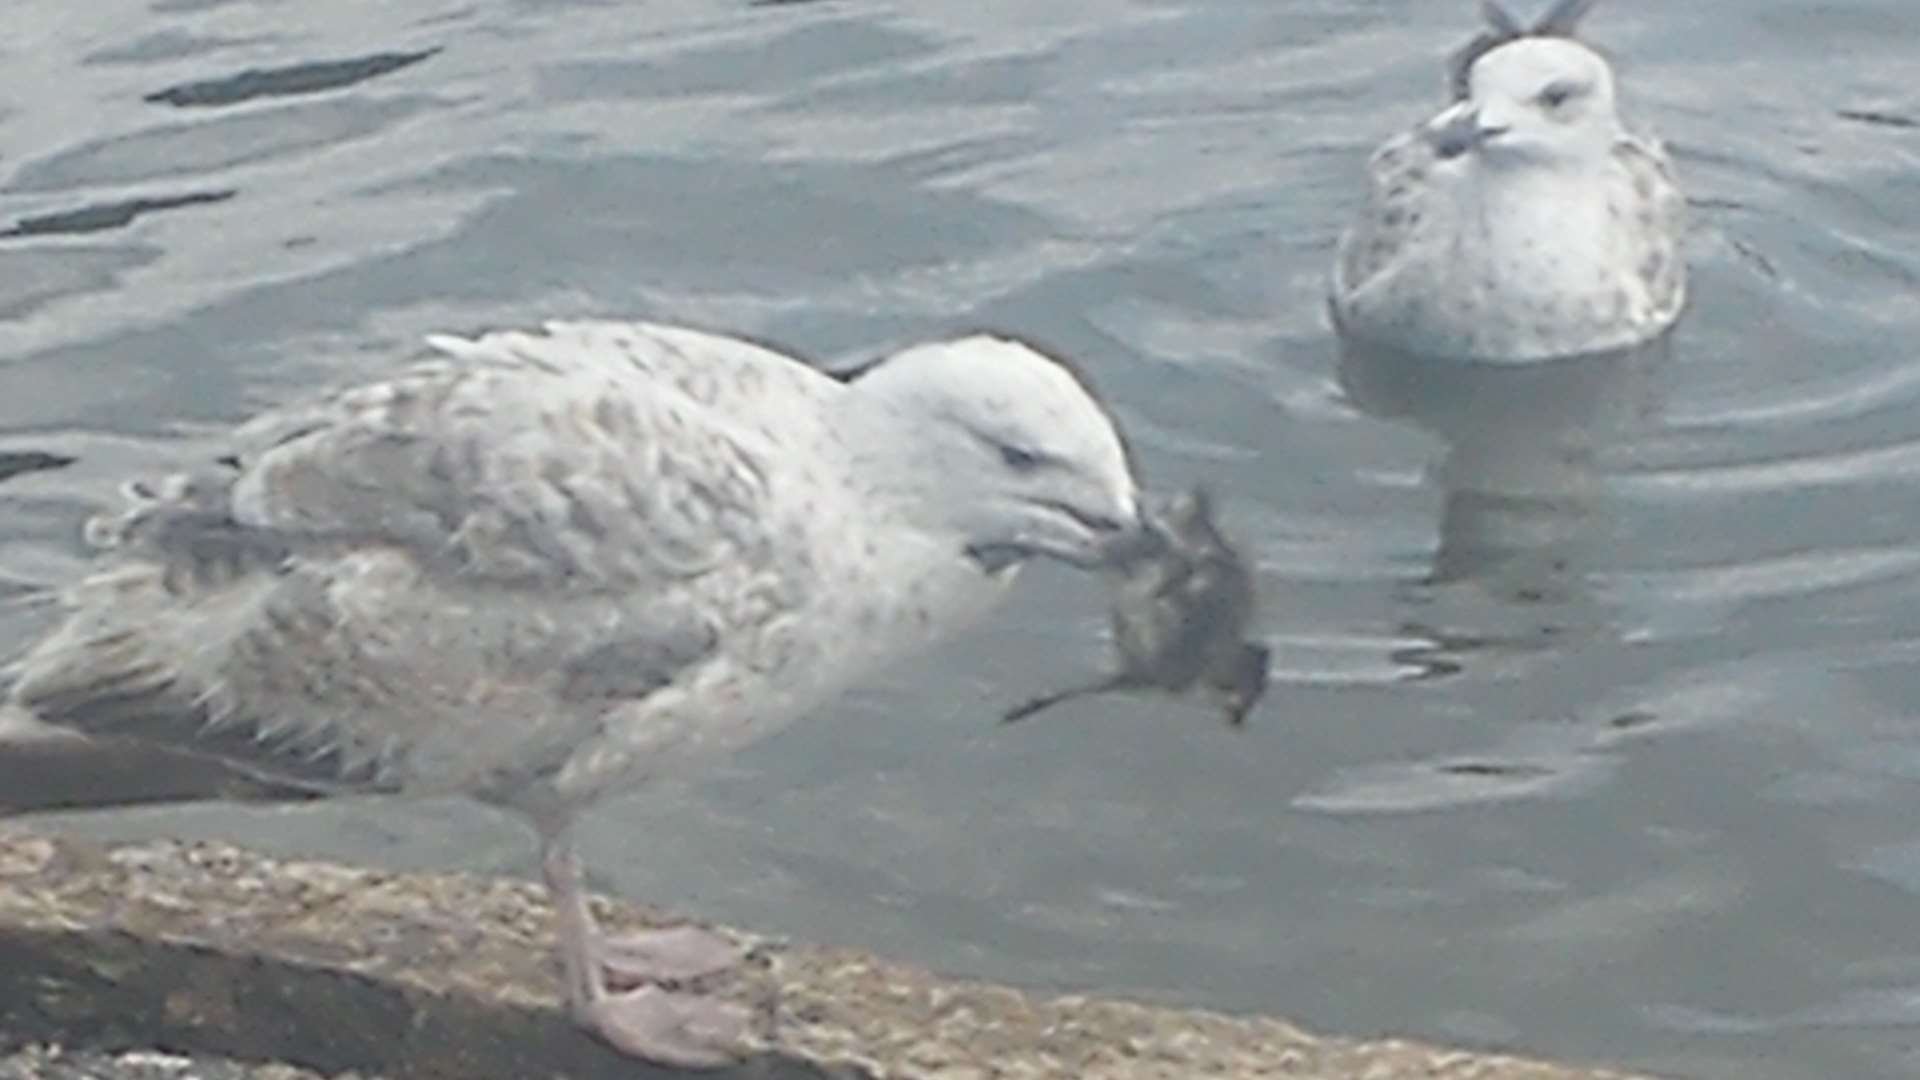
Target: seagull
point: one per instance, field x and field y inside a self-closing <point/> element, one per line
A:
<point x="1524" y="221"/>
<point x="537" y="567"/>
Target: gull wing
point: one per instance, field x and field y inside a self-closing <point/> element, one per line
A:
<point x="1396" y="210"/>
<point x="1660" y="212"/>
<point x="524" y="530"/>
<point x="539" y="466"/>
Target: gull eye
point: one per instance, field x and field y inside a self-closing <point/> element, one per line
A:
<point x="1020" y="460"/>
<point x="1559" y="93"/>
<point x="1014" y="456"/>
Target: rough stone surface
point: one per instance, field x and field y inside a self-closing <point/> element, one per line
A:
<point x="41" y="1061"/>
<point x="223" y="957"/>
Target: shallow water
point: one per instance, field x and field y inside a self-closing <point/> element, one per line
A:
<point x="1598" y="746"/>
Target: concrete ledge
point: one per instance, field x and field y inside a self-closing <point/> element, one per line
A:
<point x="208" y="949"/>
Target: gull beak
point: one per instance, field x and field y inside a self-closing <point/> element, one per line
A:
<point x="1463" y="127"/>
<point x="1084" y="534"/>
<point x="1144" y="538"/>
<point x="1109" y="540"/>
<point x="1111" y="535"/>
<point x="1132" y="536"/>
<point x="1129" y="546"/>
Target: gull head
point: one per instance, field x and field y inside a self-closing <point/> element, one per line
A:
<point x="1532" y="102"/>
<point x="1011" y="451"/>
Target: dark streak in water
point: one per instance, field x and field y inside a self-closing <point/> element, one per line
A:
<point x="1879" y="119"/>
<point x="108" y="215"/>
<point x="1754" y="258"/>
<point x="1433" y="653"/>
<point x="1628" y="721"/>
<point x="310" y="78"/>
<point x="15" y="462"/>
<point x="1496" y="770"/>
<point x="1426" y="663"/>
<point x="1712" y="202"/>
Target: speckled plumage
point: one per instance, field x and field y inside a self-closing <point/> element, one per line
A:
<point x="541" y="565"/>
<point x="1508" y="228"/>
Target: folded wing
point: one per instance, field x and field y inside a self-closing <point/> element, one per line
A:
<point x="441" y="578"/>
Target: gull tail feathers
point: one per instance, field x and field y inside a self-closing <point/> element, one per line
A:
<point x="126" y="646"/>
<point x="110" y="710"/>
<point x="134" y="667"/>
<point x="140" y="673"/>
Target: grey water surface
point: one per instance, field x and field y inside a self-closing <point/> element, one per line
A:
<point x="1593" y="730"/>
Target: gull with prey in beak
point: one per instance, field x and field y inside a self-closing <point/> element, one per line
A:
<point x="544" y="566"/>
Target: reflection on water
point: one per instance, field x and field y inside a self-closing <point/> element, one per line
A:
<point x="1523" y="506"/>
<point x="1525" y="444"/>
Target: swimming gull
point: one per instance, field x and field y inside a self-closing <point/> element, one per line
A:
<point x="1523" y="221"/>
<point x="544" y="565"/>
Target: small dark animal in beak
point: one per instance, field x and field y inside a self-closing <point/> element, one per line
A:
<point x="1182" y="599"/>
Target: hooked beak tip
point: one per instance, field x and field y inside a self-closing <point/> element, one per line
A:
<point x="1129" y="519"/>
<point x="1137" y="539"/>
<point x="1121" y="531"/>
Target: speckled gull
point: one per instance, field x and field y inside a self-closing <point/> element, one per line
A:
<point x="1521" y="222"/>
<point x="541" y="566"/>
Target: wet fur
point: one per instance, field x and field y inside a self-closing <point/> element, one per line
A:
<point x="1180" y="612"/>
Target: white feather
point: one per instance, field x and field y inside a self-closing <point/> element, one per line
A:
<point x="1523" y="221"/>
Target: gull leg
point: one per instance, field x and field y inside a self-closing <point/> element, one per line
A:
<point x="652" y="1023"/>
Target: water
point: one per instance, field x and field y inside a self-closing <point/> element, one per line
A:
<point x="1598" y="746"/>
